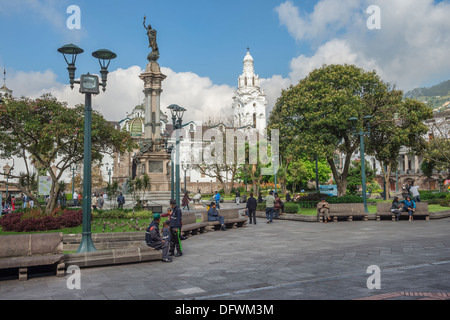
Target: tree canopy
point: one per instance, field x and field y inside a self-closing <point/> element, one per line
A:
<point x="51" y="135"/>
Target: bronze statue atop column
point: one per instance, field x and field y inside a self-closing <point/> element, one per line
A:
<point x="151" y="33"/>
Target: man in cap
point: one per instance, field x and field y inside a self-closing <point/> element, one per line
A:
<point x="214" y="215"/>
<point x="323" y="207"/>
<point x="175" y="229"/>
<point x="154" y="240"/>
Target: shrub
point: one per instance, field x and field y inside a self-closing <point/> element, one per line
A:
<point x="345" y="199"/>
<point x="313" y="197"/>
<point x="428" y="195"/>
<point x="291" y="207"/>
<point x="35" y="221"/>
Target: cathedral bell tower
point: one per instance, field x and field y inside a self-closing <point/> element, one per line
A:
<point x="249" y="101"/>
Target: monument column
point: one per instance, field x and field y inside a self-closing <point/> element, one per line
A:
<point x="152" y="155"/>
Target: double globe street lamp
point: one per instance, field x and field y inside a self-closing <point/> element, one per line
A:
<point x="177" y="119"/>
<point x="89" y="85"/>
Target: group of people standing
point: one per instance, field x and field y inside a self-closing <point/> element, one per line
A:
<point x="170" y="240"/>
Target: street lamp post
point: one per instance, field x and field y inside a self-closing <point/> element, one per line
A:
<point x="108" y="169"/>
<point x="89" y="85"/>
<point x="177" y="118"/>
<point x="361" y="135"/>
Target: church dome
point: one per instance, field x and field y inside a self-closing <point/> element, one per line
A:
<point x="248" y="57"/>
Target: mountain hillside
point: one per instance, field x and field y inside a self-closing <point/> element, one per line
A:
<point x="438" y="96"/>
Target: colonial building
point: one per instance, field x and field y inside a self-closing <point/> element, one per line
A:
<point x="249" y="113"/>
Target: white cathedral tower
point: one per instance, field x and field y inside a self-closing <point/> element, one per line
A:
<point x="249" y="101"/>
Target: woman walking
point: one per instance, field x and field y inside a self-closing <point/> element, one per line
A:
<point x="185" y="201"/>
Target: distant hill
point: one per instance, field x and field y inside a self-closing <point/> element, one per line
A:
<point x="438" y="96"/>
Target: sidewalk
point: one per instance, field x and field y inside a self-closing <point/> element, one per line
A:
<point x="284" y="260"/>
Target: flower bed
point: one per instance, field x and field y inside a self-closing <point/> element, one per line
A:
<point x="35" y="221"/>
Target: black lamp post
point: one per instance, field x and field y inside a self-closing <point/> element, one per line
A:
<point x="177" y="118"/>
<point x="108" y="169"/>
<point x="89" y="85"/>
<point x="361" y="135"/>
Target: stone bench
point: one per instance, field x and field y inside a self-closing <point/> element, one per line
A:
<point x="112" y="248"/>
<point x="384" y="211"/>
<point x="231" y="217"/>
<point x="345" y="211"/>
<point x="32" y="250"/>
<point x="190" y="224"/>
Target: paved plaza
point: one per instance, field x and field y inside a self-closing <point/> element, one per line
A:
<point x="285" y="260"/>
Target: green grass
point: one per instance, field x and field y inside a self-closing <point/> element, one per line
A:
<point x="111" y="225"/>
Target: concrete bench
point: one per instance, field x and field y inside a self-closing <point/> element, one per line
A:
<point x="384" y="211"/>
<point x="190" y="224"/>
<point x="32" y="250"/>
<point x="112" y="248"/>
<point x="231" y="217"/>
<point x="345" y="211"/>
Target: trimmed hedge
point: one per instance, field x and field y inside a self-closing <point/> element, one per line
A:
<point x="345" y="199"/>
<point x="429" y="195"/>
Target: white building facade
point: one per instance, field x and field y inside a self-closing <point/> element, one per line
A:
<point x="249" y="102"/>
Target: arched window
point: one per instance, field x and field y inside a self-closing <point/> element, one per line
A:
<point x="254" y="120"/>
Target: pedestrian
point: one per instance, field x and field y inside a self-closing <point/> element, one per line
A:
<point x="75" y="198"/>
<point x="185" y="201"/>
<point x="154" y="240"/>
<point x="251" y="207"/>
<point x="121" y="200"/>
<point x="396" y="208"/>
<point x="94" y="201"/>
<point x="217" y="199"/>
<point x="278" y="205"/>
<point x="175" y="229"/>
<point x="100" y="202"/>
<point x="323" y="207"/>
<point x="168" y="213"/>
<point x="166" y="232"/>
<point x="24" y="201"/>
<point x="13" y="203"/>
<point x="414" y="191"/>
<point x="288" y="197"/>
<point x="410" y="207"/>
<point x="238" y="197"/>
<point x="270" y="203"/>
<point x="79" y="199"/>
<point x="214" y="215"/>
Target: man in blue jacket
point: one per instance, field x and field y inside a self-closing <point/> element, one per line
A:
<point x="175" y="229"/>
<point x="217" y="199"/>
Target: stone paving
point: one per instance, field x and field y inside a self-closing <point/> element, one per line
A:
<point x="285" y="260"/>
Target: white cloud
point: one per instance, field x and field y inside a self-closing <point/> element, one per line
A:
<point x="124" y="91"/>
<point x="411" y="48"/>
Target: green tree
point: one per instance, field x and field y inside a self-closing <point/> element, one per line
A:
<point x="52" y="135"/>
<point x="314" y="114"/>
<point x="354" y="178"/>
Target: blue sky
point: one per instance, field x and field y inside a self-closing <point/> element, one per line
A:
<point x="203" y="42"/>
<point x="208" y="37"/>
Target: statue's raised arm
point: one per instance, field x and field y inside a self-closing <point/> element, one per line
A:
<point x="151" y="33"/>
